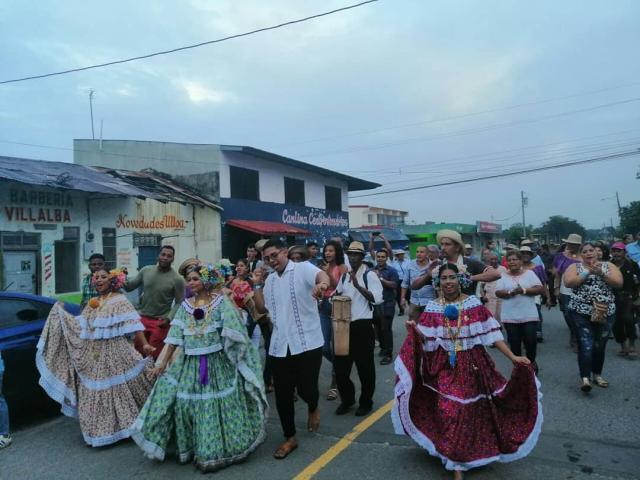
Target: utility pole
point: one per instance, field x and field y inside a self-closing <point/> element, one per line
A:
<point x="524" y="203"/>
<point x="91" y="93"/>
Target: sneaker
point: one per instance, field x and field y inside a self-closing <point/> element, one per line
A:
<point x="5" y="441"/>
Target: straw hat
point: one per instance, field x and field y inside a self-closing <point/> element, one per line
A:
<point x="356" y="247"/>
<point x="526" y="241"/>
<point x="260" y="244"/>
<point x="573" y="238"/>
<point x="526" y="249"/>
<point x="510" y="246"/>
<point x="398" y="251"/>
<point x="467" y="246"/>
<point x="452" y="234"/>
<point x="189" y="262"/>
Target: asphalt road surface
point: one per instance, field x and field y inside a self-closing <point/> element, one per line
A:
<point x="583" y="437"/>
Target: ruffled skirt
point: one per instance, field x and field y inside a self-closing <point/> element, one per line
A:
<point x="215" y="424"/>
<point x="104" y="383"/>
<point x="468" y="415"/>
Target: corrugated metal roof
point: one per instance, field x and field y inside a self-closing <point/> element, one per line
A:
<point x="104" y="181"/>
<point x="160" y="186"/>
<point x="64" y="176"/>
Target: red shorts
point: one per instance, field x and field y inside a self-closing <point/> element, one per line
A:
<point x="155" y="333"/>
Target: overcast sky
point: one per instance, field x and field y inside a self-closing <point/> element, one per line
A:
<point x="405" y="93"/>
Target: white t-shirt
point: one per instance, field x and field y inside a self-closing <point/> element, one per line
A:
<point x="521" y="308"/>
<point x="294" y="311"/>
<point x="360" y="308"/>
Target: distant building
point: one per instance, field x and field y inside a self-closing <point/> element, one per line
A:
<point x="55" y="215"/>
<point x="263" y="194"/>
<point x="367" y="216"/>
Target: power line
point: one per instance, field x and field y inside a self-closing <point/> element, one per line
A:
<point x="456" y="117"/>
<point x="508" y="174"/>
<point x="471" y="131"/>
<point x="449" y="161"/>
<point x="188" y="47"/>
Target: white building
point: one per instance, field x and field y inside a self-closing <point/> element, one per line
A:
<point x="263" y="194"/>
<point x="55" y="215"/>
<point x="369" y="216"/>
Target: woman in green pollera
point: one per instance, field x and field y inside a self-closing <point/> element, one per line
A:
<point x="211" y="391"/>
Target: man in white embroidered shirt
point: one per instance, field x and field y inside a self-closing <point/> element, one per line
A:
<point x="290" y="296"/>
<point x="364" y="288"/>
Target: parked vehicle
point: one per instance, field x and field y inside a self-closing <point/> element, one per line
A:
<point x="22" y="317"/>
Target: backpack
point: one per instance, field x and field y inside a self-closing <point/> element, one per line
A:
<point x="376" y="308"/>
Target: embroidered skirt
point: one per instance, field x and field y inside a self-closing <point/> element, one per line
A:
<point x="468" y="415"/>
<point x="104" y="382"/>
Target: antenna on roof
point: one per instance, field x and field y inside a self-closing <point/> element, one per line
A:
<point x="91" y="93"/>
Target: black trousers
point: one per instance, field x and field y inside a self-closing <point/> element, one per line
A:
<point x="519" y="333"/>
<point x="384" y="333"/>
<point x="361" y="346"/>
<point x="624" y="327"/>
<point x="295" y="372"/>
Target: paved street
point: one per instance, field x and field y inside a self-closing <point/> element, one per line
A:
<point x="593" y="436"/>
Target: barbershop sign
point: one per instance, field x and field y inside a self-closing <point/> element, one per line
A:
<point x="38" y="207"/>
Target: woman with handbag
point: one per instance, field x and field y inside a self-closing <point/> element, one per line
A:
<point x="592" y="308"/>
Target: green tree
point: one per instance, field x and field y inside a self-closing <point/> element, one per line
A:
<point x="630" y="218"/>
<point x="513" y="234"/>
<point x="558" y="227"/>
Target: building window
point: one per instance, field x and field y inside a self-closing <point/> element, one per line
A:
<point x="245" y="183"/>
<point x="333" y="198"/>
<point x="370" y="219"/>
<point x="294" y="191"/>
<point x="109" y="247"/>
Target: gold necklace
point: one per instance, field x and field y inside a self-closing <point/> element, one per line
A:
<point x="454" y="337"/>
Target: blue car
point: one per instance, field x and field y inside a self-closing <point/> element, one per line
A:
<point x="22" y="317"/>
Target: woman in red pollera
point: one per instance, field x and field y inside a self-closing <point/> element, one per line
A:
<point x="450" y="399"/>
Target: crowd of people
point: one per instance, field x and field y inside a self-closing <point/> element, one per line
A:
<point x="185" y="364"/>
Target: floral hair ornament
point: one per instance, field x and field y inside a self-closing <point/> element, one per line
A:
<point x="464" y="278"/>
<point x="213" y="275"/>
<point x="451" y="312"/>
<point x="117" y="278"/>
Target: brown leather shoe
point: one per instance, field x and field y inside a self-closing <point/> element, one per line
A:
<point x="313" y="423"/>
<point x="285" y="449"/>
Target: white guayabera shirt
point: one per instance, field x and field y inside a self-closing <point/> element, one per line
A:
<point x="294" y="311"/>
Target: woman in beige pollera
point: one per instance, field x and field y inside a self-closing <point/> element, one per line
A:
<point x="88" y="363"/>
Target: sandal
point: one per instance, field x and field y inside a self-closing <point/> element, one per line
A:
<point x="632" y="354"/>
<point x="332" y="394"/>
<point x="285" y="449"/>
<point x="586" y="385"/>
<point x="599" y="381"/>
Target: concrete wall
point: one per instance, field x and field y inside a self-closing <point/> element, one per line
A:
<point x="194" y="231"/>
<point x="172" y="158"/>
<point x="272" y="180"/>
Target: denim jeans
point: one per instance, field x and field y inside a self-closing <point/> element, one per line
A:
<point x="592" y="342"/>
<point x="324" y="308"/>
<point x="4" y="412"/>
<point x="563" y="300"/>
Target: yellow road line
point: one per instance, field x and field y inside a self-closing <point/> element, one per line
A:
<point x="324" y="459"/>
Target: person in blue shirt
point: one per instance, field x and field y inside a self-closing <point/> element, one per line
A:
<point x="633" y="249"/>
<point x="5" y="437"/>
<point x="383" y="316"/>
<point x="401" y="265"/>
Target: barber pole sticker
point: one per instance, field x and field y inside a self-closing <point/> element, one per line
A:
<point x="48" y="266"/>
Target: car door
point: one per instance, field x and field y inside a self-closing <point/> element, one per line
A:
<point x="21" y="322"/>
